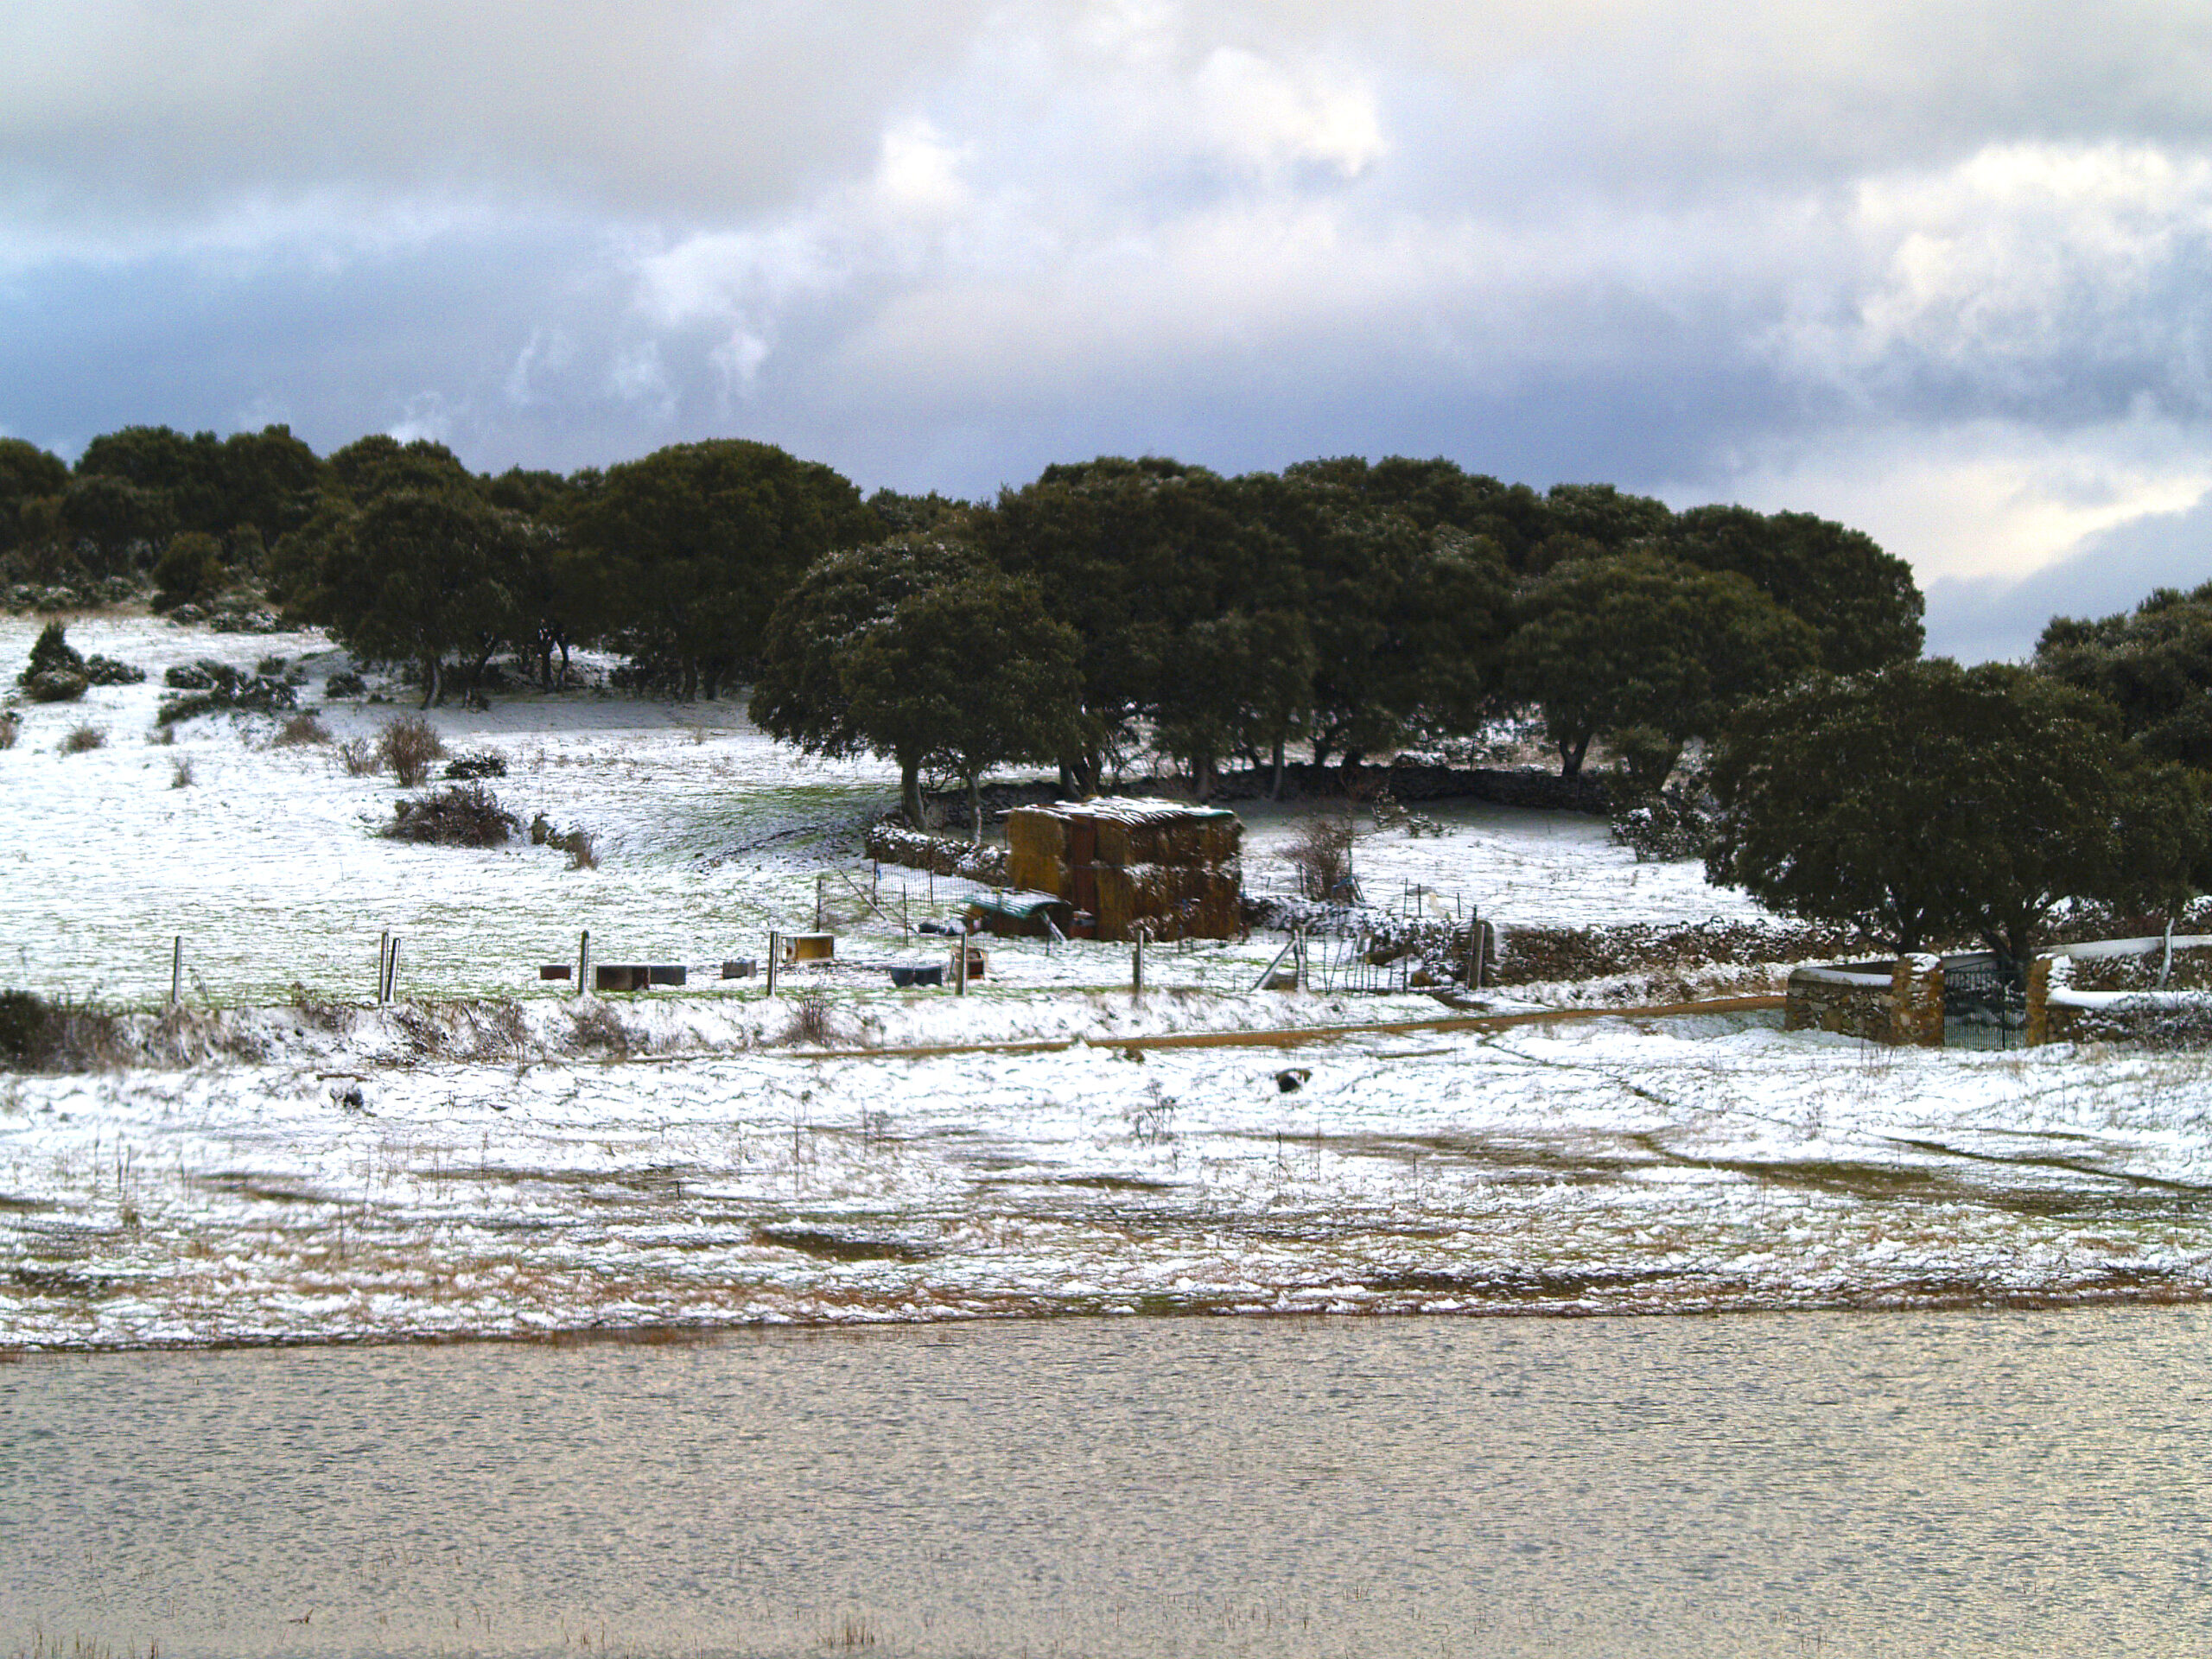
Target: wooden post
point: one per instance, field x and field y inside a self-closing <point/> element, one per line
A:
<point x="391" y="971"/>
<point x="177" y="971"/>
<point x="775" y="957"/>
<point x="818" y="880"/>
<point x="906" y="924"/>
<point x="384" y="955"/>
<point x="1136" y="967"/>
<point x="583" y="962"/>
<point x="874" y="880"/>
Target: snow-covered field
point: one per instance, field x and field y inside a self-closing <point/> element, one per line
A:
<point x="337" y="1172"/>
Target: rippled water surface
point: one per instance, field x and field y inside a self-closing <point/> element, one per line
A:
<point x="1792" y="1485"/>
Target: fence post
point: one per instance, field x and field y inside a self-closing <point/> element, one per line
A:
<point x="960" y="965"/>
<point x="583" y="962"/>
<point x="177" y="971"/>
<point x="383" y="955"/>
<point x="391" y="971"/>
<point x="775" y="952"/>
<point x="1136" y="967"/>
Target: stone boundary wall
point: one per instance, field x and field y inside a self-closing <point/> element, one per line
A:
<point x="1898" y="1002"/>
<point x="887" y="843"/>
<point x="2107" y="991"/>
<point x="1302" y="780"/>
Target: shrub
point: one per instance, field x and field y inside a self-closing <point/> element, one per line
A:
<point x="270" y="668"/>
<point x="162" y="737"/>
<point x="810" y="1021"/>
<point x="359" y="757"/>
<point x="299" y="729"/>
<point x="54" y="685"/>
<point x="84" y="738"/>
<point x="485" y="763"/>
<point x="463" y="815"/>
<point x="52" y="653"/>
<point x="181" y="777"/>
<point x="1320" y="854"/>
<point x="105" y="670"/>
<point x="216" y="688"/>
<point x="26" y="1034"/>
<point x="11" y="725"/>
<point x="583" y="849"/>
<point x="407" y="746"/>
<point x="345" y="685"/>
<point x="1677" y="821"/>
<point x="36" y="1035"/>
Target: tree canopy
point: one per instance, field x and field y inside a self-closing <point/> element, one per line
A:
<point x="1647" y="652"/>
<point x="1923" y="799"/>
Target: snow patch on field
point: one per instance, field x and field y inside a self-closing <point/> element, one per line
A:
<point x="493" y="1156"/>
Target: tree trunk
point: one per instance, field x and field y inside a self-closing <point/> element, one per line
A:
<point x="910" y="793"/>
<point x="430" y="687"/>
<point x="1570" y="751"/>
<point x="975" y="805"/>
<point x="564" y="662"/>
<point x="1275" y="792"/>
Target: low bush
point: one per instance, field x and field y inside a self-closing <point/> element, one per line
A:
<point x="582" y="847"/>
<point x="181" y="777"/>
<point x="485" y="763"/>
<point x="1321" y="855"/>
<point x="84" y="738"/>
<point x="201" y="676"/>
<point x="345" y="685"/>
<point x="105" y="670"/>
<point x="463" y="815"/>
<point x="300" y="729"/>
<point x="359" y="756"/>
<point x="811" y="1022"/>
<point x="54" y="685"/>
<point x="407" y="746"/>
<point x="213" y="688"/>
<point x="11" y="727"/>
<point x="51" y="653"/>
<point x="36" y="1035"/>
<point x="1672" y="823"/>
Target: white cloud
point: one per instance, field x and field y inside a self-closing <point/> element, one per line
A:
<point x="1265" y="116"/>
<point x="1977" y="499"/>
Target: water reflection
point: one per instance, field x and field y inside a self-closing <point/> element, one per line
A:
<point x="1954" y="1483"/>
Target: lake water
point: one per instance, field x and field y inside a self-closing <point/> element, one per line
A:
<point x="1830" y="1484"/>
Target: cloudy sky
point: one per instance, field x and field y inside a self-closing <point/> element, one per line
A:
<point x="1938" y="269"/>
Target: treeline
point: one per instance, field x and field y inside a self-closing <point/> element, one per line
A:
<point x="1349" y="607"/>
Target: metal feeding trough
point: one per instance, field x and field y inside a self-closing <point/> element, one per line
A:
<point x="635" y="977"/>
<point x="810" y="947"/>
<point x="743" y="968"/>
<point x="908" y="979"/>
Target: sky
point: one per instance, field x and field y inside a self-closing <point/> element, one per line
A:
<point x="1937" y="270"/>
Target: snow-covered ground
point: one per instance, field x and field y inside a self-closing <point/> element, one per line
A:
<point x="445" y="1167"/>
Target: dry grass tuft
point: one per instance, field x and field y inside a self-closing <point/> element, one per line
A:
<point x="359" y="756"/>
<point x="180" y="777"/>
<point x="11" y="725"/>
<point x="300" y="729"/>
<point x="83" y="738"/>
<point x="406" y="746"/>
